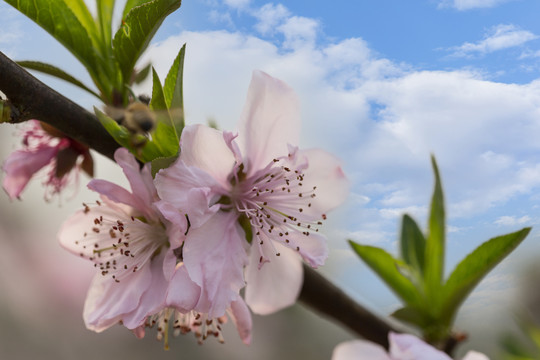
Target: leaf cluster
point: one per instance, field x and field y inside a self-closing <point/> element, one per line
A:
<point x="109" y="58"/>
<point x="430" y="301"/>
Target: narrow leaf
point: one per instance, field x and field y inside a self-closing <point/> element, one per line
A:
<point x="105" y="10"/>
<point x="470" y="271"/>
<point x="59" y="20"/>
<point x="385" y="266"/>
<point x="130" y="4"/>
<point x="138" y="28"/>
<point x="434" y="257"/>
<point x="412" y="315"/>
<point x="142" y="74"/>
<point x="165" y="135"/>
<point x="173" y="89"/>
<point x="413" y="244"/>
<point x="56" y="72"/>
<point x="82" y="13"/>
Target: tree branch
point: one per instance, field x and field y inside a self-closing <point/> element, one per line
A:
<point x="34" y="100"/>
<point x="324" y="297"/>
<point x="31" y="99"/>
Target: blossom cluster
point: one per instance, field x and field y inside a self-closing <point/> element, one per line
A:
<point x="234" y="211"/>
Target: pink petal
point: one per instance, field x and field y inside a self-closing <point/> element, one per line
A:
<point x="152" y="300"/>
<point x="73" y="229"/>
<point x="108" y="301"/>
<point x="178" y="225"/>
<point x="21" y="165"/>
<point x="312" y="248"/>
<point x="214" y="256"/>
<point x="241" y="318"/>
<point x="183" y="294"/>
<point x="190" y="190"/>
<point x="359" y="350"/>
<point x="324" y="171"/>
<point x="205" y="148"/>
<point x="474" y="355"/>
<point x="142" y="185"/>
<point x="275" y="285"/>
<point x="406" y="346"/>
<point x="270" y="120"/>
<point x="116" y="194"/>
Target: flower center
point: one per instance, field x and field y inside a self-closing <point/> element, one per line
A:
<point x="276" y="202"/>
<point x="119" y="244"/>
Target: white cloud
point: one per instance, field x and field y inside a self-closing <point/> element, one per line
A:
<point x="269" y="17"/>
<point x="482" y="132"/>
<point x="299" y="31"/>
<point x="238" y="4"/>
<point x="513" y="220"/>
<point x="499" y="37"/>
<point x="471" y="4"/>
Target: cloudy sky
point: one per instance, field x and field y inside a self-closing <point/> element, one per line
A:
<point x="383" y="85"/>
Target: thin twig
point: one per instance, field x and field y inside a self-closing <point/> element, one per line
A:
<point x="35" y="100"/>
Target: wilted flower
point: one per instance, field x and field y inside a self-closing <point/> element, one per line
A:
<point x="44" y="146"/>
<point x="402" y="347"/>
<point x="257" y="187"/>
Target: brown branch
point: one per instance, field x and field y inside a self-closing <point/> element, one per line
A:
<point x="35" y="100"/>
<point x="32" y="99"/>
<point x="324" y="297"/>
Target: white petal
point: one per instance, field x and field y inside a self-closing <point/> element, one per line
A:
<point x="270" y="120"/>
<point x="474" y="355"/>
<point x="407" y="346"/>
<point x="205" y="148"/>
<point x="277" y="283"/>
<point x="359" y="350"/>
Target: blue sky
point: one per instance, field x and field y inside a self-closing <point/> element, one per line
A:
<point x="383" y="84"/>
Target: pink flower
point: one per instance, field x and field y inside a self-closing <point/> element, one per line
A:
<point x="402" y="347"/>
<point x="124" y="236"/>
<point x="135" y="250"/>
<point x="42" y="146"/>
<point x="256" y="182"/>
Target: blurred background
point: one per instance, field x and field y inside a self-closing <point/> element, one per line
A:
<point x="382" y="85"/>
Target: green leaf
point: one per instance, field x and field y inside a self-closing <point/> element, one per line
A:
<point x="165" y="135"/>
<point x="130" y="4"/>
<point x="142" y="74"/>
<point x="138" y="28"/>
<point x="435" y="243"/>
<point x="413" y="315"/>
<point x="54" y="71"/>
<point x="470" y="271"/>
<point x="59" y="20"/>
<point x="82" y="13"/>
<point x="413" y="244"/>
<point x="162" y="163"/>
<point x="386" y="267"/>
<point x="173" y="89"/>
<point x="105" y="9"/>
